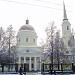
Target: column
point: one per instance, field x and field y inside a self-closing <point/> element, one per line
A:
<point x="19" y="60"/>
<point x="34" y="63"/>
<point x="73" y="58"/>
<point x="29" y="63"/>
<point x="40" y="63"/>
<point x="24" y="59"/>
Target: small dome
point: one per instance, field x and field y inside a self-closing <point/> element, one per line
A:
<point x="27" y="26"/>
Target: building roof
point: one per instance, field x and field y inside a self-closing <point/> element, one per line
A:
<point x="27" y="26"/>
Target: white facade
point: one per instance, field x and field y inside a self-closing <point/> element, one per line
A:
<point x="67" y="35"/>
<point x="27" y="50"/>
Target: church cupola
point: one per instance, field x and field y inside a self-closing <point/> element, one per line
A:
<point x="26" y="35"/>
<point x="27" y="21"/>
<point x="27" y="27"/>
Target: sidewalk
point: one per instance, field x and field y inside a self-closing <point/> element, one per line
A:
<point x="28" y="73"/>
<point x="33" y="74"/>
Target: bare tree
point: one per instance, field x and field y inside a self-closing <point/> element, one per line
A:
<point x="2" y="38"/>
<point x="49" y="46"/>
<point x="54" y="46"/>
<point x="59" y="49"/>
<point x="7" y="45"/>
<point x="10" y="41"/>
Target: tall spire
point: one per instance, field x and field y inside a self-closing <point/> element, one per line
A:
<point x="65" y="15"/>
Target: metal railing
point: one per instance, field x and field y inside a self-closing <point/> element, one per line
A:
<point x="62" y="69"/>
<point x="13" y="68"/>
<point x="46" y="68"/>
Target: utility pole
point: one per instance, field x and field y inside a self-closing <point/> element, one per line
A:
<point x="9" y="52"/>
<point x="52" y="53"/>
<point x="58" y="59"/>
<point x="9" y="48"/>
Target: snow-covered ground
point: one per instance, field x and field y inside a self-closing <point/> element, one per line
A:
<point x="32" y="74"/>
<point x="36" y="74"/>
<point x="24" y="74"/>
<point x="9" y="74"/>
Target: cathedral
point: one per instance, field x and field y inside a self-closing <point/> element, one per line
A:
<point x="27" y="50"/>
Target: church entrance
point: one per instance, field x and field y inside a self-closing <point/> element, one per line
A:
<point x="27" y="67"/>
<point x="30" y="63"/>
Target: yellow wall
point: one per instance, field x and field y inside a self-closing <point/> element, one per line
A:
<point x="29" y="43"/>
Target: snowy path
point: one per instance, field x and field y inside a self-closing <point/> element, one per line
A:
<point x="23" y="74"/>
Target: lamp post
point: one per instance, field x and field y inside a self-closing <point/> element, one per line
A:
<point x="52" y="55"/>
<point x="58" y="59"/>
<point x="9" y="53"/>
<point x="9" y="48"/>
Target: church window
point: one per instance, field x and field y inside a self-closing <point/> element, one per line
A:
<point x="27" y="58"/>
<point x="19" y="39"/>
<point x="67" y="28"/>
<point x="27" y="39"/>
<point x="34" y="40"/>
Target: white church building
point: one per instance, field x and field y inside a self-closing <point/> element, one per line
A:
<point x="67" y="34"/>
<point x="27" y="50"/>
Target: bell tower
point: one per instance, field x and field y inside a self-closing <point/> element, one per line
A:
<point x="66" y="27"/>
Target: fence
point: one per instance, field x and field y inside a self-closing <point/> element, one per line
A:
<point x="58" y="68"/>
<point x="12" y="68"/>
<point x="46" y="68"/>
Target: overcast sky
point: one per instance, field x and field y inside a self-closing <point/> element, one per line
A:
<point x="39" y="13"/>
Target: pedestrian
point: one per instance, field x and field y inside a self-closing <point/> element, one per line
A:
<point x="21" y="71"/>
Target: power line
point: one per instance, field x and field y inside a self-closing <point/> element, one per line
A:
<point x="53" y="3"/>
<point x="31" y="4"/>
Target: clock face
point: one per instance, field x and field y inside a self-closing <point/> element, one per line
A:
<point x="27" y="51"/>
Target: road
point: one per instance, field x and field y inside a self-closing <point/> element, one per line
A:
<point x="36" y="73"/>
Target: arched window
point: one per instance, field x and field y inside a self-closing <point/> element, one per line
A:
<point x="67" y="28"/>
<point x="27" y="39"/>
<point x="34" y="40"/>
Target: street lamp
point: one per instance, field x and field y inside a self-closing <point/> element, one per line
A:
<point x="52" y="54"/>
<point x="9" y="53"/>
<point x="9" y="49"/>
